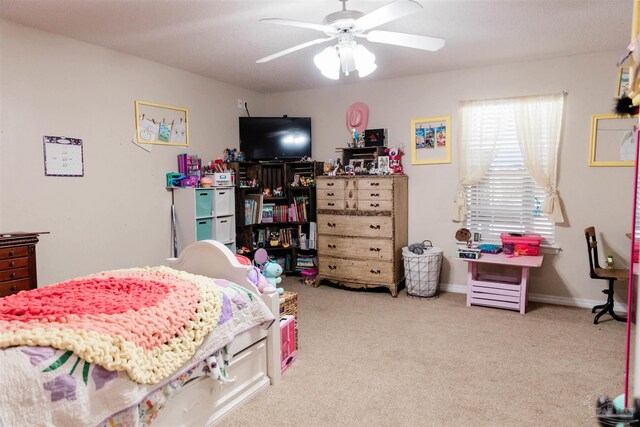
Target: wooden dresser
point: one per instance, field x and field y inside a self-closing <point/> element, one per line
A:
<point x="362" y="228"/>
<point x="18" y="262"/>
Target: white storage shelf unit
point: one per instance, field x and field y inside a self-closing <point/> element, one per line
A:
<point x="205" y="213"/>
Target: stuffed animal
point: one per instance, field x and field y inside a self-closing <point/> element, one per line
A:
<point x="395" y="159"/>
<point x="256" y="277"/>
<point x="272" y="271"/>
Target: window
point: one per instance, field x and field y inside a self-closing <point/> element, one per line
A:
<point x="501" y="193"/>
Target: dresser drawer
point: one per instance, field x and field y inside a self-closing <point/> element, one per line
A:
<point x="7" y="264"/>
<point x="356" y="270"/>
<point x="330" y="184"/>
<point x="359" y="248"/>
<point x="375" y="184"/>
<point x="376" y="205"/>
<point x="374" y="194"/>
<point x="356" y="226"/>
<point x="15" y="286"/>
<point x="330" y="194"/>
<point x="15" y="252"/>
<point x="330" y="204"/>
<point x="14" y="274"/>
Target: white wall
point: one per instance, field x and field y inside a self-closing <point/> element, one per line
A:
<point x="118" y="214"/>
<point x="592" y="196"/>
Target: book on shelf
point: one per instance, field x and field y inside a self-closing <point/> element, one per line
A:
<point x="268" y="212"/>
<point x="253" y="209"/>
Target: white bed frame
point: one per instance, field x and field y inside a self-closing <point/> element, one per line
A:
<point x="255" y="361"/>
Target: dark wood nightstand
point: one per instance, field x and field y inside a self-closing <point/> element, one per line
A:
<point x="18" y="262"/>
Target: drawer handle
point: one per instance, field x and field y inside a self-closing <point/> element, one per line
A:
<point x="332" y="267"/>
<point x="331" y="224"/>
<point x="374" y="227"/>
<point x="375" y="195"/>
<point x="374" y="249"/>
<point x="12" y="264"/>
<point x="375" y="184"/>
<point x="11" y="253"/>
<point x="222" y="193"/>
<point x="331" y="204"/>
<point x="330" y="184"/>
<point x="375" y="271"/>
<point x="204" y="194"/>
<point x="12" y="275"/>
<point x="13" y="288"/>
<point x="374" y="205"/>
<point x="331" y="246"/>
<point x="202" y="222"/>
<point x="330" y="194"/>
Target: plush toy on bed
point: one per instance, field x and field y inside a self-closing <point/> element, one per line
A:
<point x="256" y="277"/>
<point x="272" y="271"/>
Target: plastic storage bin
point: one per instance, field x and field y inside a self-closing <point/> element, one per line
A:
<point x="527" y="244"/>
<point x="422" y="272"/>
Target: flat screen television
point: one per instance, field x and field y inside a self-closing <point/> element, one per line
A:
<point x="275" y="138"/>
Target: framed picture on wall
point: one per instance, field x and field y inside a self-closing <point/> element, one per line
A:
<point x="431" y="140"/>
<point x="161" y="124"/>
<point x="623" y="81"/>
<point x="612" y="140"/>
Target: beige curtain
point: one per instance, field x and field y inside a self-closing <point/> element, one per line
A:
<point x="539" y="128"/>
<point x="477" y="146"/>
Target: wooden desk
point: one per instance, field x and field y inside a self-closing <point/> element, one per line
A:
<point x="497" y="290"/>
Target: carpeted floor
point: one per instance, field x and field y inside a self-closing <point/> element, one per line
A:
<point x="368" y="359"/>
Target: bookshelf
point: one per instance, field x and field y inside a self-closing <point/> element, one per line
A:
<point x="278" y="199"/>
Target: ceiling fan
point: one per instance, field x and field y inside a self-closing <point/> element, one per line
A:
<point x="346" y="26"/>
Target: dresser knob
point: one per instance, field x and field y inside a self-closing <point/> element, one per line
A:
<point x="331" y="224"/>
<point x="331" y="246"/>
<point x="375" y="271"/>
<point x="374" y="205"/>
<point x="13" y="288"/>
<point x="332" y="267"/>
<point x="375" y="184"/>
<point x="374" y="249"/>
<point x="374" y="227"/>
<point x="330" y="184"/>
<point x="12" y="264"/>
<point x="11" y="253"/>
<point x="331" y="204"/>
<point x="12" y="275"/>
<point x="375" y="195"/>
<point x="330" y="194"/>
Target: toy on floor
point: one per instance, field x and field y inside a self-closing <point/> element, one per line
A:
<point x="272" y="271"/>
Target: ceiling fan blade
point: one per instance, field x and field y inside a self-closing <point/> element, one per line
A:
<point x="390" y="12"/>
<point x="324" y="28"/>
<point x="408" y="40"/>
<point x="293" y="49"/>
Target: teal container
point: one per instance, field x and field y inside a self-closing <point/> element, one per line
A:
<point x="204" y="202"/>
<point x="203" y="229"/>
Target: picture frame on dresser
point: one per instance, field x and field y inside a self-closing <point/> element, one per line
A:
<point x="431" y="140"/>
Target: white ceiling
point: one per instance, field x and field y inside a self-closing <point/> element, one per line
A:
<point x="222" y="39"/>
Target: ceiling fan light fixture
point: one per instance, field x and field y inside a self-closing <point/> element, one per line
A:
<point x="328" y="63"/>
<point x="365" y="61"/>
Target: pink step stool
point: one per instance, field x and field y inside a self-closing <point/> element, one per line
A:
<point x="287" y="341"/>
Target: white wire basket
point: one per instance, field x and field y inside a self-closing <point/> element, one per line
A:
<point x="422" y="272"/>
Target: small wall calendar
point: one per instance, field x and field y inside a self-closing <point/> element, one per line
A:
<point x="63" y="156"/>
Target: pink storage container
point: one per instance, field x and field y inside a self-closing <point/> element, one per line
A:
<point x="526" y="244"/>
<point x="287" y="341"/>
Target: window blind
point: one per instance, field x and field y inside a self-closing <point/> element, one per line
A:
<point x="506" y="199"/>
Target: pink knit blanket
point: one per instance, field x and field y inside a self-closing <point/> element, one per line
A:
<point x="145" y="321"/>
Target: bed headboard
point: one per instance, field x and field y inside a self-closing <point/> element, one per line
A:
<point x="212" y="259"/>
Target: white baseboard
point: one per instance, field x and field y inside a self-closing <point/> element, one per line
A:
<point x="547" y="299"/>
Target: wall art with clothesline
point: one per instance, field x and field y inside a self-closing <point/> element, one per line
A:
<point x="161" y="124"/>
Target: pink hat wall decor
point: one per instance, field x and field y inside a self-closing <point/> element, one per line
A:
<point x="357" y="117"/>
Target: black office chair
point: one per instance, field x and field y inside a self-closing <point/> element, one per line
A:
<point x="610" y="274"/>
